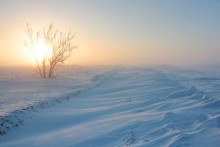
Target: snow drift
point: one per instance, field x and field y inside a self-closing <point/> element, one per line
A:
<point x="129" y="107"/>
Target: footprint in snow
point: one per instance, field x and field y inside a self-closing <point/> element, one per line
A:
<point x="129" y="139"/>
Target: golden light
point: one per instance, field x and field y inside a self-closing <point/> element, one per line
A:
<point x="41" y="50"/>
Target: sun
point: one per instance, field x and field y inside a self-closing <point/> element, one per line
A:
<point x="38" y="52"/>
<point x="41" y="51"/>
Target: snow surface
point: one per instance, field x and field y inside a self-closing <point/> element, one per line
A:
<point x="117" y="107"/>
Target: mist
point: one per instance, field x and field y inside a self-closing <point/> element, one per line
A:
<point x="112" y="32"/>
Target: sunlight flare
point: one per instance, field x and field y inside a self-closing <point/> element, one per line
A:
<point x="41" y="50"/>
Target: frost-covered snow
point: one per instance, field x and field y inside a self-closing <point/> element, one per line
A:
<point x="22" y="87"/>
<point x="126" y="107"/>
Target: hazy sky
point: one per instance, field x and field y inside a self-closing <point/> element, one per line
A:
<point x="118" y="31"/>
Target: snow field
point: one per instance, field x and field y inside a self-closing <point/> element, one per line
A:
<point x="131" y="107"/>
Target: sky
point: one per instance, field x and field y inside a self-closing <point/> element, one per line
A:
<point x="130" y="32"/>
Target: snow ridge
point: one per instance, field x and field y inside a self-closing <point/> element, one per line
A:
<point x="133" y="107"/>
<point x="16" y="118"/>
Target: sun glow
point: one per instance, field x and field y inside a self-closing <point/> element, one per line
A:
<point x="38" y="52"/>
<point x="41" y="51"/>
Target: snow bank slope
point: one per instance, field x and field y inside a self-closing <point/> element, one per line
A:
<point x="21" y="91"/>
<point x="135" y="107"/>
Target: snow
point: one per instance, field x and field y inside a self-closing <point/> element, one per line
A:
<point x="113" y="107"/>
<point x="20" y="89"/>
